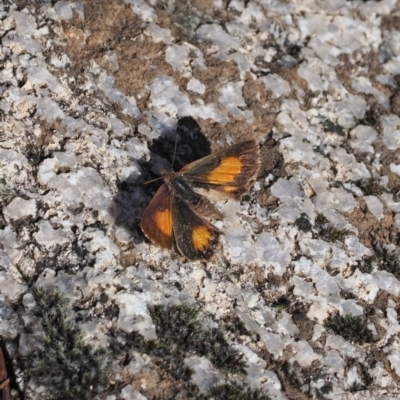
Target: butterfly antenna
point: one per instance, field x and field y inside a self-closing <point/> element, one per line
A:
<point x="175" y="147"/>
<point x="152" y="180"/>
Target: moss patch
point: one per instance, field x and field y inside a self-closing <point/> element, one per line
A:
<point x="387" y="260"/>
<point x="179" y="329"/>
<point x="383" y="258"/>
<point x="328" y="232"/>
<point x="235" y="391"/>
<point x="62" y="362"/>
<point x="370" y="187"/>
<point x="181" y="333"/>
<point x="350" y="327"/>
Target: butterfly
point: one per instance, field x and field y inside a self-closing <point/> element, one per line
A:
<point x="177" y="210"/>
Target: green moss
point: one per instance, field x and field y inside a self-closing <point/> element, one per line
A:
<point x="179" y="329"/>
<point x="350" y="327"/>
<point x="366" y="378"/>
<point x="346" y="295"/>
<point x="383" y="258"/>
<point x="291" y="374"/>
<point x="66" y="366"/>
<point x="235" y="391"/>
<point x="370" y="187"/>
<point x="396" y="193"/>
<point x="177" y="326"/>
<point x="281" y="303"/>
<point x="366" y="264"/>
<point x="331" y="127"/>
<point x="328" y="232"/>
<point x="387" y="260"/>
<point x="234" y="324"/>
<point x="224" y="357"/>
<point x="294" y="379"/>
<point x="245" y="198"/>
<point x="303" y="223"/>
<point x="181" y="333"/>
<point x="372" y="115"/>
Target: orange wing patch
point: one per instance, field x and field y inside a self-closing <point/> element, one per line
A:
<point x="163" y="220"/>
<point x="157" y="218"/>
<point x="230" y="189"/>
<point x="227" y="170"/>
<point x="201" y="237"/>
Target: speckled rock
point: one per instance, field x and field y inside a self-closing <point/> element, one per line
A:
<point x="90" y="100"/>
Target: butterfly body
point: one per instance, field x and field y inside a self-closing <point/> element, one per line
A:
<point x="177" y="210"/>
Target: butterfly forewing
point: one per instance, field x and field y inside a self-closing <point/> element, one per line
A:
<point x="229" y="170"/>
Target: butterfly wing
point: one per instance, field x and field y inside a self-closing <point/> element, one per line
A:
<point x="195" y="237"/>
<point x="229" y="170"/>
<point x="198" y="203"/>
<point x="157" y="219"/>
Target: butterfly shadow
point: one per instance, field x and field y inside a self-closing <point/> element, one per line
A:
<point x="133" y="195"/>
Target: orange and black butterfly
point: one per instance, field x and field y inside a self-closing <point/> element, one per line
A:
<point x="178" y="209"/>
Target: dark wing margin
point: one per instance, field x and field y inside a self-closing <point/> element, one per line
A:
<point x="157" y="219"/>
<point x="195" y="237"/>
<point x="230" y="170"/>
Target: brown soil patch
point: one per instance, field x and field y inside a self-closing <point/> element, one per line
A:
<point x="373" y="67"/>
<point x="239" y="130"/>
<point x="370" y="230"/>
<point x="395" y="104"/>
<point x="128" y="257"/>
<point x="184" y="17"/>
<point x="381" y="300"/>
<point x="153" y="386"/>
<point x="305" y="325"/>
<point x="344" y="70"/>
<point x="390" y="23"/>
<point x="388" y="157"/>
<point x="217" y="74"/>
<point x="292" y="376"/>
<point x="292" y="75"/>
<point x="132" y="80"/>
<point x="266" y="200"/>
<point x="271" y="159"/>
<point x="258" y="100"/>
<point x="114" y="27"/>
<point x="255" y="94"/>
<point x="271" y="163"/>
<point x="203" y="5"/>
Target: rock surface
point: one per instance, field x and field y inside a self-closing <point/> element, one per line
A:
<point x="306" y="285"/>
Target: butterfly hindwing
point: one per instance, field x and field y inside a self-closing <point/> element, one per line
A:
<point x="195" y="237"/>
<point x="157" y="219"/>
<point x="229" y="170"/>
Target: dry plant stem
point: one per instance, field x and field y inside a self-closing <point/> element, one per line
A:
<point x="4" y="380"/>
